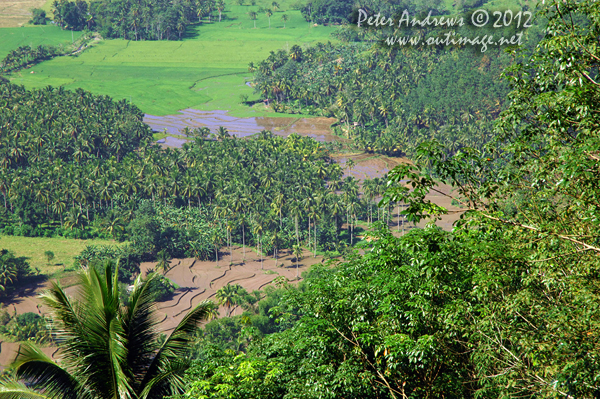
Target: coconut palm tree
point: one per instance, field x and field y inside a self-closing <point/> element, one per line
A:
<point x="284" y="18"/>
<point x="228" y="296"/>
<point x="163" y="259"/>
<point x="297" y="251"/>
<point x="253" y="15"/>
<point x="220" y="8"/>
<point x="269" y="13"/>
<point x="107" y="350"/>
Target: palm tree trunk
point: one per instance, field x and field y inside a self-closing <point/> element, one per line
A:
<point x="230" y="247"/>
<point x="315" y="236"/>
<point x="261" y="254"/>
<point x="244" y="243"/>
<point x="309" y="231"/>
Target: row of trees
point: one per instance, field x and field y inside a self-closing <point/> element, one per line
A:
<point x="345" y="11"/>
<point x="135" y="20"/>
<point x="25" y="56"/>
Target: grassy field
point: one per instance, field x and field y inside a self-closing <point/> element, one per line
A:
<point x="207" y="70"/>
<point x="64" y="249"/>
<point x="11" y="38"/>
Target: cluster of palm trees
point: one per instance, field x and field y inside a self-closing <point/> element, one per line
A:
<point x="137" y="19"/>
<point x="80" y="161"/>
<point x="25" y="55"/>
<point x="12" y="269"/>
<point x="269" y="13"/>
<point x="27" y="327"/>
<point x="389" y="99"/>
<point x="68" y="157"/>
<point x="230" y="296"/>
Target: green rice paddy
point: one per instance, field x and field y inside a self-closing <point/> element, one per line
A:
<point x="207" y="70"/>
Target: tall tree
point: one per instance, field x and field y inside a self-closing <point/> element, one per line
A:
<point x="268" y="12"/>
<point x="252" y="15"/>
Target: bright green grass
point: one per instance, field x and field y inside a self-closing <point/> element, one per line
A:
<point x="206" y="71"/>
<point x="11" y="38"/>
<point x="64" y="250"/>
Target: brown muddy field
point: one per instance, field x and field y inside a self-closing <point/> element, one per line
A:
<point x="198" y="281"/>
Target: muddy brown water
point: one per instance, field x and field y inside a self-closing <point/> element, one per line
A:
<point x="317" y="128"/>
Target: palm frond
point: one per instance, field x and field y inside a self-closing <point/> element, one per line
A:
<point x="62" y="309"/>
<point x="169" y="382"/>
<point x="10" y="389"/>
<point x="105" y="348"/>
<point x="140" y="328"/>
<point x="175" y="347"/>
<point x="43" y="373"/>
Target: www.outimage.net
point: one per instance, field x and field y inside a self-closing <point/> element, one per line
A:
<point x="452" y="39"/>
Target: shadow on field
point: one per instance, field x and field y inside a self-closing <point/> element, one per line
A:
<point x="191" y="31"/>
<point x="27" y="287"/>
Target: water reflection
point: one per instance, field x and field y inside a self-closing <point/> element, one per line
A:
<point x="317" y="128"/>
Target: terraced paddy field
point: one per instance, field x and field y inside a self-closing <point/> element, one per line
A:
<point x="198" y="281"/>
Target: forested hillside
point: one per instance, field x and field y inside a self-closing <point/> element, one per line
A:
<point x="391" y="100"/>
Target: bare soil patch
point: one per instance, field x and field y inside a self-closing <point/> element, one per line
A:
<point x="15" y="13"/>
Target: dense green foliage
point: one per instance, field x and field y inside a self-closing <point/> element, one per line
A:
<point x="390" y="100"/>
<point x="389" y="323"/>
<point x="127" y="257"/>
<point x="345" y="11"/>
<point x="107" y="350"/>
<point x="133" y="20"/>
<point x="162" y="287"/>
<point x="94" y="172"/>
<point x="26" y="327"/>
<point x="38" y="17"/>
<point x="505" y="306"/>
<point x="52" y="127"/>
<point x="12" y="269"/>
<point x="533" y="332"/>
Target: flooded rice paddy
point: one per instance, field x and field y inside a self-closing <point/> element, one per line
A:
<point x="317" y="128"/>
